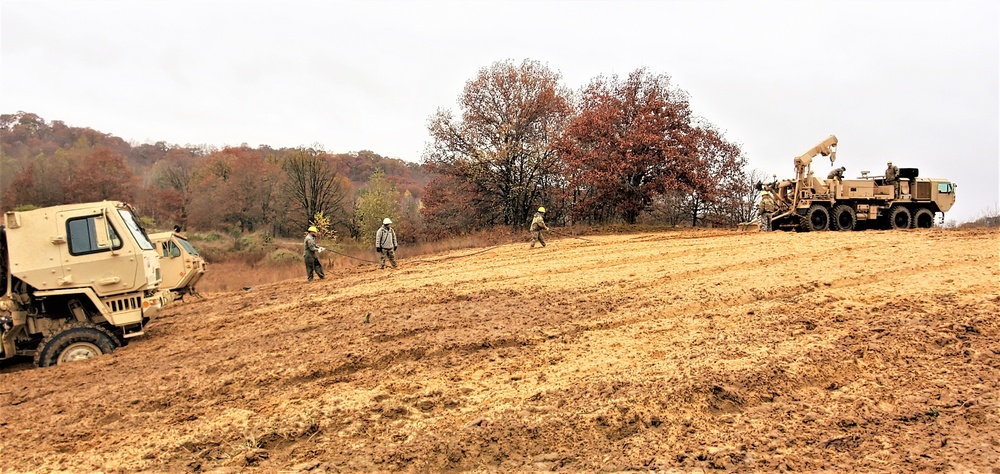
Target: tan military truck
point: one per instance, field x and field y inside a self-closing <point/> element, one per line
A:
<point x="180" y="264"/>
<point x="808" y="203"/>
<point x="77" y="281"/>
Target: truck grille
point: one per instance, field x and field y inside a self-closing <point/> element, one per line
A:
<point x="124" y="304"/>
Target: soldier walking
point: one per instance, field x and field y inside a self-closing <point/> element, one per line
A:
<point x="311" y="255"/>
<point x="385" y="242"/>
<point x="537" y="226"/>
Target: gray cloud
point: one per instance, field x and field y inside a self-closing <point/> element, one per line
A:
<point x="915" y="82"/>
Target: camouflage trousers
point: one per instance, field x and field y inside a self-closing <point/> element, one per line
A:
<point x="388" y="254"/>
<point x="536" y="237"/>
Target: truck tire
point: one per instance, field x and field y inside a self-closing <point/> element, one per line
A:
<point x="73" y="342"/>
<point x="817" y="218"/>
<point x="923" y="219"/>
<point x="899" y="218"/>
<point x="844" y="218"/>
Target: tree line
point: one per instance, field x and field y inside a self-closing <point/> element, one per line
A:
<point x="623" y="150"/>
<point x="618" y="150"/>
<point x="278" y="192"/>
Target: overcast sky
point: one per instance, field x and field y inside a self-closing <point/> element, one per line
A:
<point x="917" y="83"/>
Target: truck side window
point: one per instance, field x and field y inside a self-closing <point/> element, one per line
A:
<point x="944" y="187"/>
<point x="83" y="235"/>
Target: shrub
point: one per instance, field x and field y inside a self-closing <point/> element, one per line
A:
<point x="281" y="257"/>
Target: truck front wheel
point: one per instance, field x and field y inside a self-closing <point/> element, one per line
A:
<point x="923" y="219"/>
<point x="76" y="341"/>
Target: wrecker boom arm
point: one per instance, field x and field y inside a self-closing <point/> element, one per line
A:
<point x="826" y="147"/>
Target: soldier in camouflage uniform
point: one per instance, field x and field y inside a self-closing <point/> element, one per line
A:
<point x="385" y="243"/>
<point x="892" y="177"/>
<point x="537" y="226"/>
<point x="311" y="255"/>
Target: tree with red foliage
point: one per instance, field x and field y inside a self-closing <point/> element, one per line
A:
<point x="234" y="187"/>
<point x="102" y="175"/>
<point x="169" y="190"/>
<point x="631" y="140"/>
<point x="502" y="146"/>
<point x="22" y="190"/>
<point x="446" y="207"/>
<point x="721" y="182"/>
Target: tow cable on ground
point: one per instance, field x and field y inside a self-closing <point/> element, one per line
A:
<point x="454" y="256"/>
<point x="351" y="256"/>
<point x="568" y="235"/>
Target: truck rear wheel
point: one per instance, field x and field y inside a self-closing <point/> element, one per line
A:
<point x="923" y="218"/>
<point x="818" y="218"/>
<point x="844" y="218"/>
<point x="76" y="341"/>
<point x="899" y="218"/>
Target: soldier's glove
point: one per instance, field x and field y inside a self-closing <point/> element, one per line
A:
<point x="320" y="249"/>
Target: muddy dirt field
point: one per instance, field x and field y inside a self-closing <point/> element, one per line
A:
<point x="685" y="351"/>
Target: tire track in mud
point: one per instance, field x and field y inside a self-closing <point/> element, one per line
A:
<point x="769" y="354"/>
<point x="737" y="404"/>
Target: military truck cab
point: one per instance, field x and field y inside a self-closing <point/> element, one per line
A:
<point x="908" y="203"/>
<point x="76" y="281"/>
<point x="182" y="267"/>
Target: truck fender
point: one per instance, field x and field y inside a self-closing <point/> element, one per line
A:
<point x="87" y="292"/>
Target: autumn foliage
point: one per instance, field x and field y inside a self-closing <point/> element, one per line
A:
<point x="631" y="140"/>
<point x="619" y="150"/>
<point x="501" y="150"/>
<point x="605" y="154"/>
<point x="233" y="189"/>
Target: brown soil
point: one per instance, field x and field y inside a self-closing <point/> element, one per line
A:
<point x="689" y="351"/>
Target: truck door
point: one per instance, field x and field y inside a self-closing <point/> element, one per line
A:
<point x="95" y="254"/>
<point x="171" y="263"/>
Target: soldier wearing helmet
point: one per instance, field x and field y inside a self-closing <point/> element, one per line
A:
<point x="311" y="255"/>
<point x="891" y="173"/>
<point x="537" y="226"/>
<point x="892" y="176"/>
<point x="385" y="242"/>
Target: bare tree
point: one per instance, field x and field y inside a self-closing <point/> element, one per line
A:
<point x="313" y="186"/>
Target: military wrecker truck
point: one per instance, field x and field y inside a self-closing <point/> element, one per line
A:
<point x="76" y="281"/>
<point x="808" y="203"/>
<point x="182" y="267"/>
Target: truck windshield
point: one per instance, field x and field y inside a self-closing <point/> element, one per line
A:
<point x="187" y="246"/>
<point x="135" y="229"/>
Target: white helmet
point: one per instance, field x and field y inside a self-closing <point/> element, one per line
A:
<point x="386" y="221"/>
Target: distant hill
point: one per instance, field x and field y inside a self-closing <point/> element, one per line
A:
<point x="48" y="163"/>
<point x="25" y="136"/>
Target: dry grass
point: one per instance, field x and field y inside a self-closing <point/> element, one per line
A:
<point x="234" y="275"/>
<point x="231" y="270"/>
<point x="247" y="262"/>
